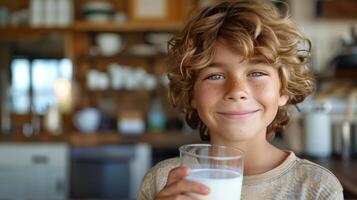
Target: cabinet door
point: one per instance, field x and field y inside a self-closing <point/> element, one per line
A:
<point x="36" y="171"/>
<point x="51" y="182"/>
<point x="15" y="181"/>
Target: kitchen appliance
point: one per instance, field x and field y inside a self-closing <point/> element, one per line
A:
<point x="354" y="141"/>
<point x="338" y="147"/>
<point x="344" y="125"/>
<point x="108" y="172"/>
<point x="347" y="59"/>
<point x="318" y="130"/>
<point x="347" y="125"/>
<point x="345" y="63"/>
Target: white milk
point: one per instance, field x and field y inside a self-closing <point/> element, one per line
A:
<point x="223" y="184"/>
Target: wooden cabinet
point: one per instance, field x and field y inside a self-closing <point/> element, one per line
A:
<point x="137" y="54"/>
<point x="34" y="171"/>
<point x="79" y="43"/>
<point x="337" y="9"/>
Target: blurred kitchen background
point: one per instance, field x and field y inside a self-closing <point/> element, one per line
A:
<point x="83" y="94"/>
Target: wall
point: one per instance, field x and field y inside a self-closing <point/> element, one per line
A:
<point x="324" y="33"/>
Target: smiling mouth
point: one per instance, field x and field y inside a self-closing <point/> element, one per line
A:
<point x="237" y="115"/>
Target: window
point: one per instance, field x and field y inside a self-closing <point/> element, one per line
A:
<point x="20" y="85"/>
<point x="33" y="83"/>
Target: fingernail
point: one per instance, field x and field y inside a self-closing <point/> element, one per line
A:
<point x="204" y="189"/>
<point x="188" y="170"/>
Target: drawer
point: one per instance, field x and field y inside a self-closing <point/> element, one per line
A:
<point x="33" y="153"/>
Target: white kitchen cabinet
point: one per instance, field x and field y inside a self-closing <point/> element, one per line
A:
<point x="34" y="170"/>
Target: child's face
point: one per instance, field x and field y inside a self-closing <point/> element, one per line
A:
<point x="236" y="101"/>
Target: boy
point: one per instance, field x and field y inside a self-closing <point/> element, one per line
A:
<point x="235" y="68"/>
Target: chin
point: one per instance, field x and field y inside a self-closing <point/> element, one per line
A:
<point x="235" y="136"/>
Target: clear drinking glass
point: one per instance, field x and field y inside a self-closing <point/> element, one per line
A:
<point x="218" y="167"/>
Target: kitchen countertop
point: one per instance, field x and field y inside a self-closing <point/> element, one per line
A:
<point x="343" y="169"/>
<point x="159" y="140"/>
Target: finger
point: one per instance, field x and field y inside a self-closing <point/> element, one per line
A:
<point x="176" y="197"/>
<point x="185" y="186"/>
<point x="177" y="174"/>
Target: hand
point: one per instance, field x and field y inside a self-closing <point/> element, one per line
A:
<point x="177" y="187"/>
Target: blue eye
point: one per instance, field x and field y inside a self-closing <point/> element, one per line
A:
<point x="215" y="77"/>
<point x="257" y="74"/>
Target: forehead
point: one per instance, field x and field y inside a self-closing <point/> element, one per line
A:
<point x="226" y="53"/>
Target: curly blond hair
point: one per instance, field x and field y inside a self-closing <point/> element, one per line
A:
<point x="255" y="29"/>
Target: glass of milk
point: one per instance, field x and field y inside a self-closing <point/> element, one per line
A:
<point x="218" y="167"/>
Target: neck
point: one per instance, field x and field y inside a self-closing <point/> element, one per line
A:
<point x="262" y="159"/>
<point x="260" y="155"/>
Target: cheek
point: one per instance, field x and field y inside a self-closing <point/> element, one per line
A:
<point x="204" y="97"/>
<point x="267" y="93"/>
<point x="200" y="99"/>
<point x="199" y="103"/>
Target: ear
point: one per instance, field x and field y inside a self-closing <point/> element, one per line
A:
<point x="283" y="99"/>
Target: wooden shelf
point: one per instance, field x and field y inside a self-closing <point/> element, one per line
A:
<point x="40" y="137"/>
<point x="337" y="9"/>
<point x="84" y="26"/>
<point x="122" y="55"/>
<point x="27" y="31"/>
<point x="347" y="74"/>
<point x="118" y="91"/>
<point x="164" y="139"/>
<point x="168" y="139"/>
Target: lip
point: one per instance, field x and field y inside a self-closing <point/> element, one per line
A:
<point x="238" y="114"/>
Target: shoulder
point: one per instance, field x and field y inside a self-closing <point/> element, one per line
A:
<point x="321" y="180"/>
<point x="155" y="179"/>
<point x="316" y="172"/>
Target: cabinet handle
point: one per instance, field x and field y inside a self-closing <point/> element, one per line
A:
<point x="39" y="159"/>
<point x="59" y="186"/>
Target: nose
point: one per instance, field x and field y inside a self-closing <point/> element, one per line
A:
<point x="236" y="90"/>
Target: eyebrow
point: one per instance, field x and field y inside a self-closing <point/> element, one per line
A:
<point x="216" y="64"/>
<point x="253" y="61"/>
<point x="257" y="60"/>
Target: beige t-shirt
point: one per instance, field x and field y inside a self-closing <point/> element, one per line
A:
<point x="295" y="178"/>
